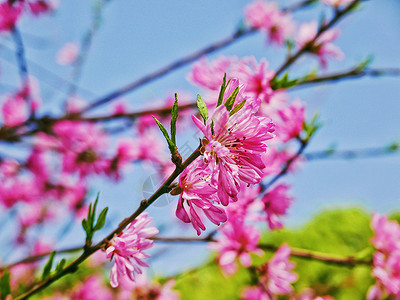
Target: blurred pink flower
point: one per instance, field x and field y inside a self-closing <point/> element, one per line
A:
<point x="386" y="260"/>
<point x="143" y="288"/>
<point x="9" y="14"/>
<point x="386" y="233"/>
<point x="322" y="46"/>
<point x="276" y="277"/>
<point x="15" y="110"/>
<point x="268" y="17"/>
<point x="92" y="289"/>
<point x="68" y="54"/>
<point x="276" y="204"/>
<point x="238" y="242"/>
<point x="209" y="74"/>
<point x="257" y="77"/>
<point x="290" y="123"/>
<point x="128" y="248"/>
<point x="83" y="146"/>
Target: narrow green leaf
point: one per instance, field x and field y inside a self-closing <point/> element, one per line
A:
<point x="48" y="265"/>
<point x="237" y="108"/>
<point x="101" y="219"/>
<point x="85" y="226"/>
<point x="231" y="99"/>
<point x="174" y="117"/>
<point x="60" y="265"/>
<point x="365" y="63"/>
<point x="93" y="214"/>
<point x="202" y="108"/>
<point x="171" y="145"/>
<point x="222" y="91"/>
<point x="212" y="127"/>
<point x="5" y="285"/>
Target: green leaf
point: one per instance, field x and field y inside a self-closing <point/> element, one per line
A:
<point x="222" y="91"/>
<point x="5" y="285"/>
<point x="237" y="108"/>
<point x="60" y="265"/>
<point x="202" y="108"/>
<point x="171" y="145"/>
<point x="85" y="226"/>
<point x="48" y="265"/>
<point x="231" y="99"/>
<point x="212" y="127"/>
<point x="174" y="117"/>
<point x="93" y="213"/>
<point x="101" y="219"/>
<point x="365" y="63"/>
<point x="283" y="83"/>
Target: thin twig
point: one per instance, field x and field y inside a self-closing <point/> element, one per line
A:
<point x="351" y="74"/>
<point x="237" y="35"/>
<point x="34" y="258"/>
<point x="297" y="252"/>
<point x="86" y="45"/>
<point x="338" y="15"/>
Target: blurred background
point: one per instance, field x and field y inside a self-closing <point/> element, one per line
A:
<point x="133" y="38"/>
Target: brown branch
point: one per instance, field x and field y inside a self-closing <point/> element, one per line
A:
<point x="34" y="258"/>
<point x="185" y="60"/>
<point x="338" y="15"/>
<point x="350" y="261"/>
<point x="351" y="74"/>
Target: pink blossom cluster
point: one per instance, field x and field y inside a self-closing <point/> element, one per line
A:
<point x="386" y="268"/>
<point x="231" y="155"/>
<point x="256" y="75"/>
<point x="128" y="248"/>
<point x="276" y="277"/>
<point x="10" y="11"/>
<point x="266" y="16"/>
<point x="322" y="46"/>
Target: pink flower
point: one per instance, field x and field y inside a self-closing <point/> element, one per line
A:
<point x="143" y="288"/>
<point x="39" y="6"/>
<point x="209" y="75"/>
<point x="92" y="289"/>
<point x="291" y="121"/>
<point x="257" y="77"/>
<point x="337" y="3"/>
<point x="9" y="14"/>
<point x="233" y="148"/>
<point x="386" y="260"/>
<point x="83" y="146"/>
<point x="128" y="248"/>
<point x="15" y="110"/>
<point x="75" y="104"/>
<point x="269" y="18"/>
<point x="238" y="242"/>
<point x="276" y="204"/>
<point x="322" y="46"/>
<point x="68" y="54"/>
<point x="197" y="193"/>
<point x="387" y="233"/>
<point x="126" y="154"/>
<point x="276" y="277"/>
<point x="254" y="293"/>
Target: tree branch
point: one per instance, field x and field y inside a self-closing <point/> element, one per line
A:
<point x="338" y="15"/>
<point x="184" y="61"/>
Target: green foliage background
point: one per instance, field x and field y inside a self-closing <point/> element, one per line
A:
<point x="344" y="232"/>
